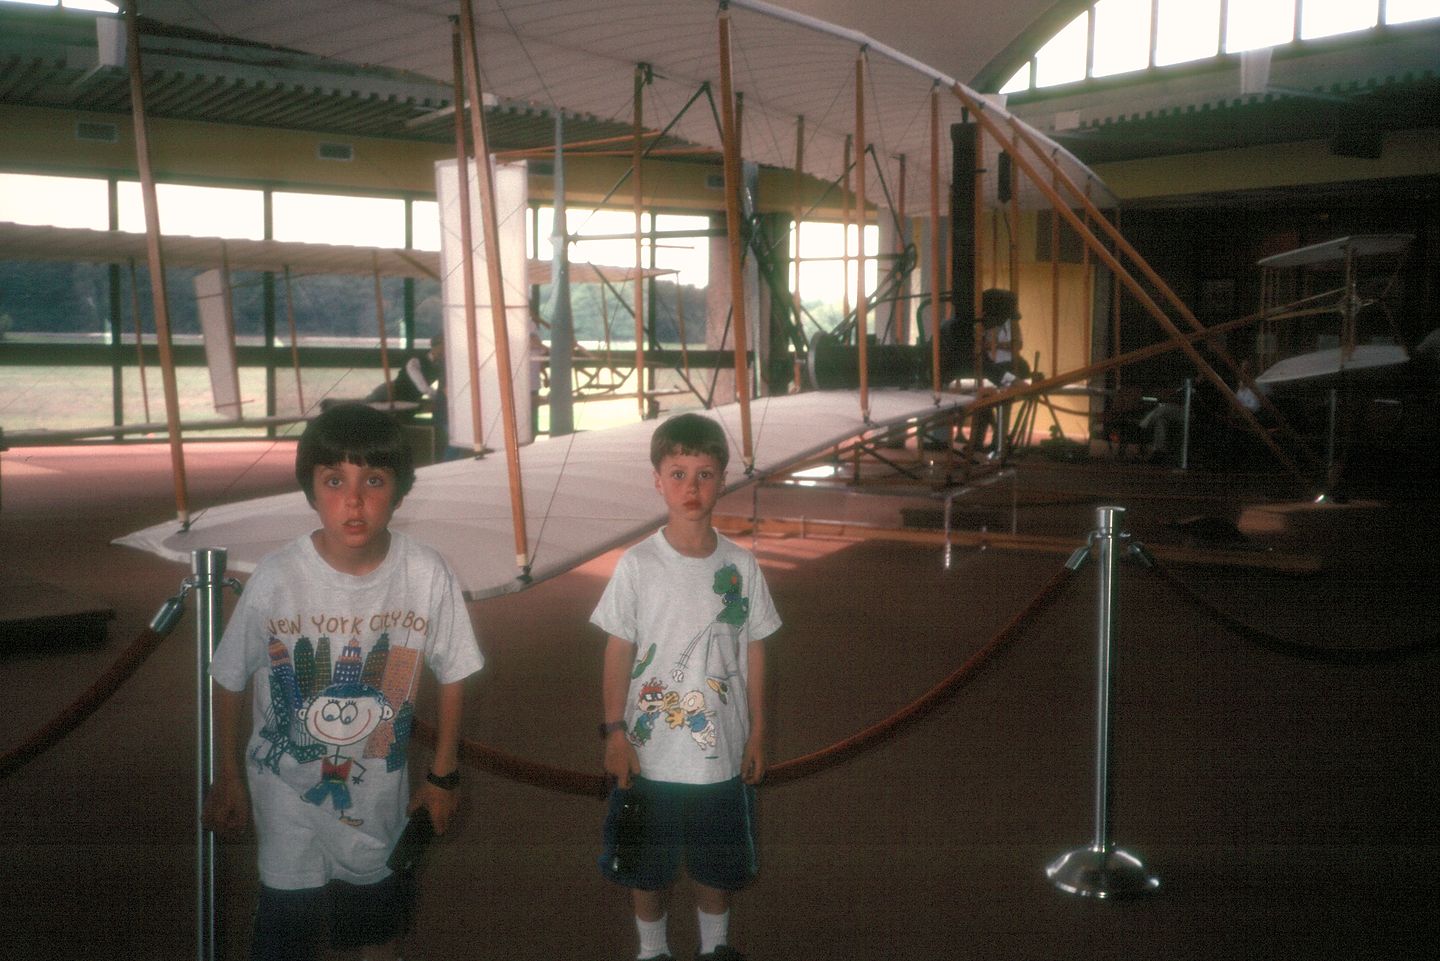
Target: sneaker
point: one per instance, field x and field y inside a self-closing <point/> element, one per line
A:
<point x="722" y="952"/>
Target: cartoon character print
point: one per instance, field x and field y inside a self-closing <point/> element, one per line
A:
<point x="338" y="717"/>
<point x="698" y="721"/>
<point x="715" y="650"/>
<point x="734" y="610"/>
<point x="648" y="706"/>
<point x="342" y="716"/>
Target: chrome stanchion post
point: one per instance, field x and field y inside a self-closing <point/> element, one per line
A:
<point x="949" y="508"/>
<point x="209" y="582"/>
<point x="1102" y="870"/>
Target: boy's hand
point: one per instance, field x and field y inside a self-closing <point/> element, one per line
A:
<point x="439" y="802"/>
<point x="227" y="805"/>
<point x="621" y="761"/>
<point x="752" y="764"/>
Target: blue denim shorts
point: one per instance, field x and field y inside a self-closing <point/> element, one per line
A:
<point x="303" y="923"/>
<point x="710" y="828"/>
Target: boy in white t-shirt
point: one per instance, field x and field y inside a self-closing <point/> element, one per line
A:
<point x="331" y="635"/>
<point x="683" y="696"/>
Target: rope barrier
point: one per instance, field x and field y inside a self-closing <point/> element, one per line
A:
<point x="567" y="781"/>
<point x="1288" y="648"/>
<point x="84" y="706"/>
<point x="576" y="782"/>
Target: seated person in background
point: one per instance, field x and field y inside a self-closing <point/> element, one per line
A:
<point x="1000" y="318"/>
<point x="421" y="377"/>
<point x="1000" y="344"/>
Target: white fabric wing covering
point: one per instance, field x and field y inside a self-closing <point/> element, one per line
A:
<point x="584" y="494"/>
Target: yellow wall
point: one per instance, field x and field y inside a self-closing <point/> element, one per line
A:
<point x="43" y="141"/>
<point x="1405" y="154"/>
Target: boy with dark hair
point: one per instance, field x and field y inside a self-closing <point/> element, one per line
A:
<point x="328" y="750"/>
<point x="683" y="693"/>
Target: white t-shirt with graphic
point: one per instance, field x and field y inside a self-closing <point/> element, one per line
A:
<point x="691" y="620"/>
<point x="334" y="661"/>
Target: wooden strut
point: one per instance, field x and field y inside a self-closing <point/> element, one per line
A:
<point x="936" y="284"/>
<point x="1117" y="362"/>
<point x="139" y="338"/>
<point x="900" y="322"/>
<point x="847" y="196"/>
<point x="467" y="241"/>
<point x="491" y="229"/>
<point x="1129" y="280"/>
<point x="977" y="281"/>
<point x="1054" y="290"/>
<point x="637" y="151"/>
<point x="1149" y="273"/>
<point x="733" y="231"/>
<point x="294" y="342"/>
<point x="380" y="322"/>
<point x="155" y="260"/>
<point x="227" y="307"/>
<point x="862" y="309"/>
<point x="797" y="212"/>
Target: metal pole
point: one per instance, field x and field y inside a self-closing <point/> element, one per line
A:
<point x="1189" y="394"/>
<point x="208" y="566"/>
<point x="1334" y="406"/>
<point x="1101" y="870"/>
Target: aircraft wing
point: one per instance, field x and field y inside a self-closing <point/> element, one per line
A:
<point x="581" y="56"/>
<point x="584" y="494"/>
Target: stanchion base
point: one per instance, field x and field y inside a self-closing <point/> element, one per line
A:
<point x="1101" y="873"/>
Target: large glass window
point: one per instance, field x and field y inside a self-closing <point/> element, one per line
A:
<point x="1122" y="37"/>
<point x="55" y="201"/>
<point x="1407" y="11"/>
<point x="1259" y="23"/>
<point x="1326" y="18"/>
<point x="1186" y="30"/>
<point x="336" y="219"/>
<point x="1190" y="30"/>
<point x="41" y="301"/>
<point x="1062" y="60"/>
<point x="827" y="276"/>
<point x="191" y="211"/>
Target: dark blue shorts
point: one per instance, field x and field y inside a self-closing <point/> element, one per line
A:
<point x="296" y="925"/>
<point x="710" y="827"/>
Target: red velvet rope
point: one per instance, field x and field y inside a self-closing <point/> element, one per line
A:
<point x="548" y="776"/>
<point x="85" y="705"/>
<point x="576" y="782"/>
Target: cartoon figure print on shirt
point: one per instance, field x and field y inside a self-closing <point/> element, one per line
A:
<point x="713" y="653"/>
<point x="362" y="709"/>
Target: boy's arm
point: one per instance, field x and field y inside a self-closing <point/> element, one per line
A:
<point x="227" y="803"/>
<point x="621" y="761"/>
<point x="752" y="765"/>
<point x="439" y="801"/>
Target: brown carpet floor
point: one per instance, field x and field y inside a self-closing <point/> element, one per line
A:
<point x="1286" y="802"/>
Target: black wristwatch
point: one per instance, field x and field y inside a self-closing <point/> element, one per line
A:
<point x="610" y="727"/>
<point x="449" y="782"/>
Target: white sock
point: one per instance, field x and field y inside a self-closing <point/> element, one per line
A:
<point x="653" y="942"/>
<point x="714" y="930"/>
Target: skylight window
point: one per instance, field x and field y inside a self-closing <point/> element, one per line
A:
<point x="1259" y="23"/>
<point x="1122" y="37"/>
<point x="96" y="6"/>
<point x="1408" y="11"/>
<point x="1019" y="82"/>
<point x="1062" y="60"/>
<point x="1186" y="30"/>
<point x="1327" y="18"/>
